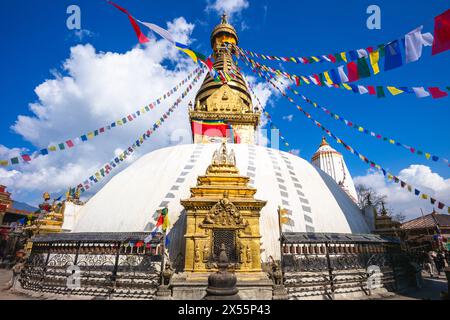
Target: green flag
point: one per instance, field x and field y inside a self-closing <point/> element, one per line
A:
<point x="380" y="92"/>
<point x="363" y="68"/>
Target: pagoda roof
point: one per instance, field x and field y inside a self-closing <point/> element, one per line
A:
<point x="429" y="221"/>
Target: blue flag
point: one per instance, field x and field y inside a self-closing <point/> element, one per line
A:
<point x="393" y="56"/>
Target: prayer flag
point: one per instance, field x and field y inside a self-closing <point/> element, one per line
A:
<point x="394" y="91"/>
<point x="352" y="68"/>
<point x="380" y="92"/>
<point x="363" y="68"/>
<point x="441" y="41"/>
<point x="393" y="56"/>
<point x="437" y="93"/>
<point x="342" y="74"/>
<point x="414" y="42"/>
<point x="374" y="59"/>
<point x="420" y="92"/>
<point x="142" y="38"/>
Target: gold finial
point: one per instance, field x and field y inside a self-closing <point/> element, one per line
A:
<point x="324" y="142"/>
<point x="224" y="18"/>
<point x="46" y="196"/>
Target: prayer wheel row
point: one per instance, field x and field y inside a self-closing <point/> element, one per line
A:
<point x="332" y="248"/>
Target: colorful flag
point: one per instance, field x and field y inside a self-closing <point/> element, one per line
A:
<point x="352" y="68"/>
<point x="363" y="68"/>
<point x="374" y="59"/>
<point x="161" y="31"/>
<point x="394" y="91"/>
<point x="414" y="42"/>
<point x="437" y="93"/>
<point x="393" y="56"/>
<point x="441" y="41"/>
<point x="420" y="92"/>
<point x="142" y="38"/>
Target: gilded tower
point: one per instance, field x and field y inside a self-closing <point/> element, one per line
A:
<point x="229" y="100"/>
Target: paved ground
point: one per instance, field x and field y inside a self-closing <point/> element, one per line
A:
<point x="432" y="289"/>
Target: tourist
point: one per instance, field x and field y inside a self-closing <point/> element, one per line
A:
<point x="429" y="263"/>
<point x="439" y="261"/>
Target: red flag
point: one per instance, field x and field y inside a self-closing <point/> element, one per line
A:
<point x="371" y="90"/>
<point x="26" y="158"/>
<point x="441" y="41"/>
<point x="142" y="38"/>
<point x="69" y="143"/>
<point x="437" y="93"/>
<point x="332" y="58"/>
<point x="352" y="68"/>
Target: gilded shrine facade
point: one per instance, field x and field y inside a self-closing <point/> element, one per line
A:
<point x="222" y="210"/>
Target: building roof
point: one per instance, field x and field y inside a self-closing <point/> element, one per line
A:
<point x="429" y="221"/>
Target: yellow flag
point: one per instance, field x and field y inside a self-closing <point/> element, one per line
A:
<point x="90" y="135"/>
<point x="374" y="58"/>
<point x="327" y="77"/>
<point x="394" y="91"/>
<point x="343" y="56"/>
<point x="346" y="86"/>
<point x="424" y="196"/>
<point x="52" y="148"/>
<point x="4" y="163"/>
<point x="315" y="59"/>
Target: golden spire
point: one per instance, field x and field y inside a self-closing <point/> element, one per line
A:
<point x="324" y="142"/>
<point x="228" y="100"/>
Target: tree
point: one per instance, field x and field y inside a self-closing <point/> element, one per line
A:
<point x="368" y="196"/>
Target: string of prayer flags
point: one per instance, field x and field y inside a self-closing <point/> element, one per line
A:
<point x="26" y="158"/>
<point x="372" y="164"/>
<point x="414" y="41"/>
<point x="107" y="168"/>
<point x="268" y="116"/>
<point x="339" y="79"/>
<point x="141" y="37"/>
<point x="366" y="131"/>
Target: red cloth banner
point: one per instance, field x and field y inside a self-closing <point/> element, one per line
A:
<point x="142" y="38"/>
<point x="441" y="41"/>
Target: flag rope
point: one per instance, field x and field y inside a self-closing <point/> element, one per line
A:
<point x="107" y="168"/>
<point x="69" y="144"/>
<point x="360" y="129"/>
<point x="340" y="80"/>
<point x="372" y="164"/>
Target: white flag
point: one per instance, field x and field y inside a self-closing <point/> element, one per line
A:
<point x="362" y="90"/>
<point x="362" y="53"/>
<point x="162" y="32"/>
<point x="421" y="92"/>
<point x="342" y="74"/>
<point x="414" y="42"/>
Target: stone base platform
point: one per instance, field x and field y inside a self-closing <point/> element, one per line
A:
<point x="192" y="286"/>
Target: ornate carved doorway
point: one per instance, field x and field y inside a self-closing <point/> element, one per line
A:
<point x="227" y="237"/>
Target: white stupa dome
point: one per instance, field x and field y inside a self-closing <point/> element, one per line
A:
<point x="162" y="178"/>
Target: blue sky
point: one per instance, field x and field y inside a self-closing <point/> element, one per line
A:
<point x="35" y="43"/>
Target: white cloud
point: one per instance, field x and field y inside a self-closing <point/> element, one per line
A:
<point x="289" y="118"/>
<point x="92" y="90"/>
<point x="402" y="201"/>
<point x="230" y="7"/>
<point x="83" y="34"/>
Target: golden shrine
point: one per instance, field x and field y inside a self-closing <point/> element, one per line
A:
<point x="222" y="210"/>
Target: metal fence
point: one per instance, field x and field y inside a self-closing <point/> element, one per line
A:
<point x="330" y="264"/>
<point x="99" y="265"/>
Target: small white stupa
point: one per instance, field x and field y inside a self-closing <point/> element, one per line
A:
<point x="332" y="162"/>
